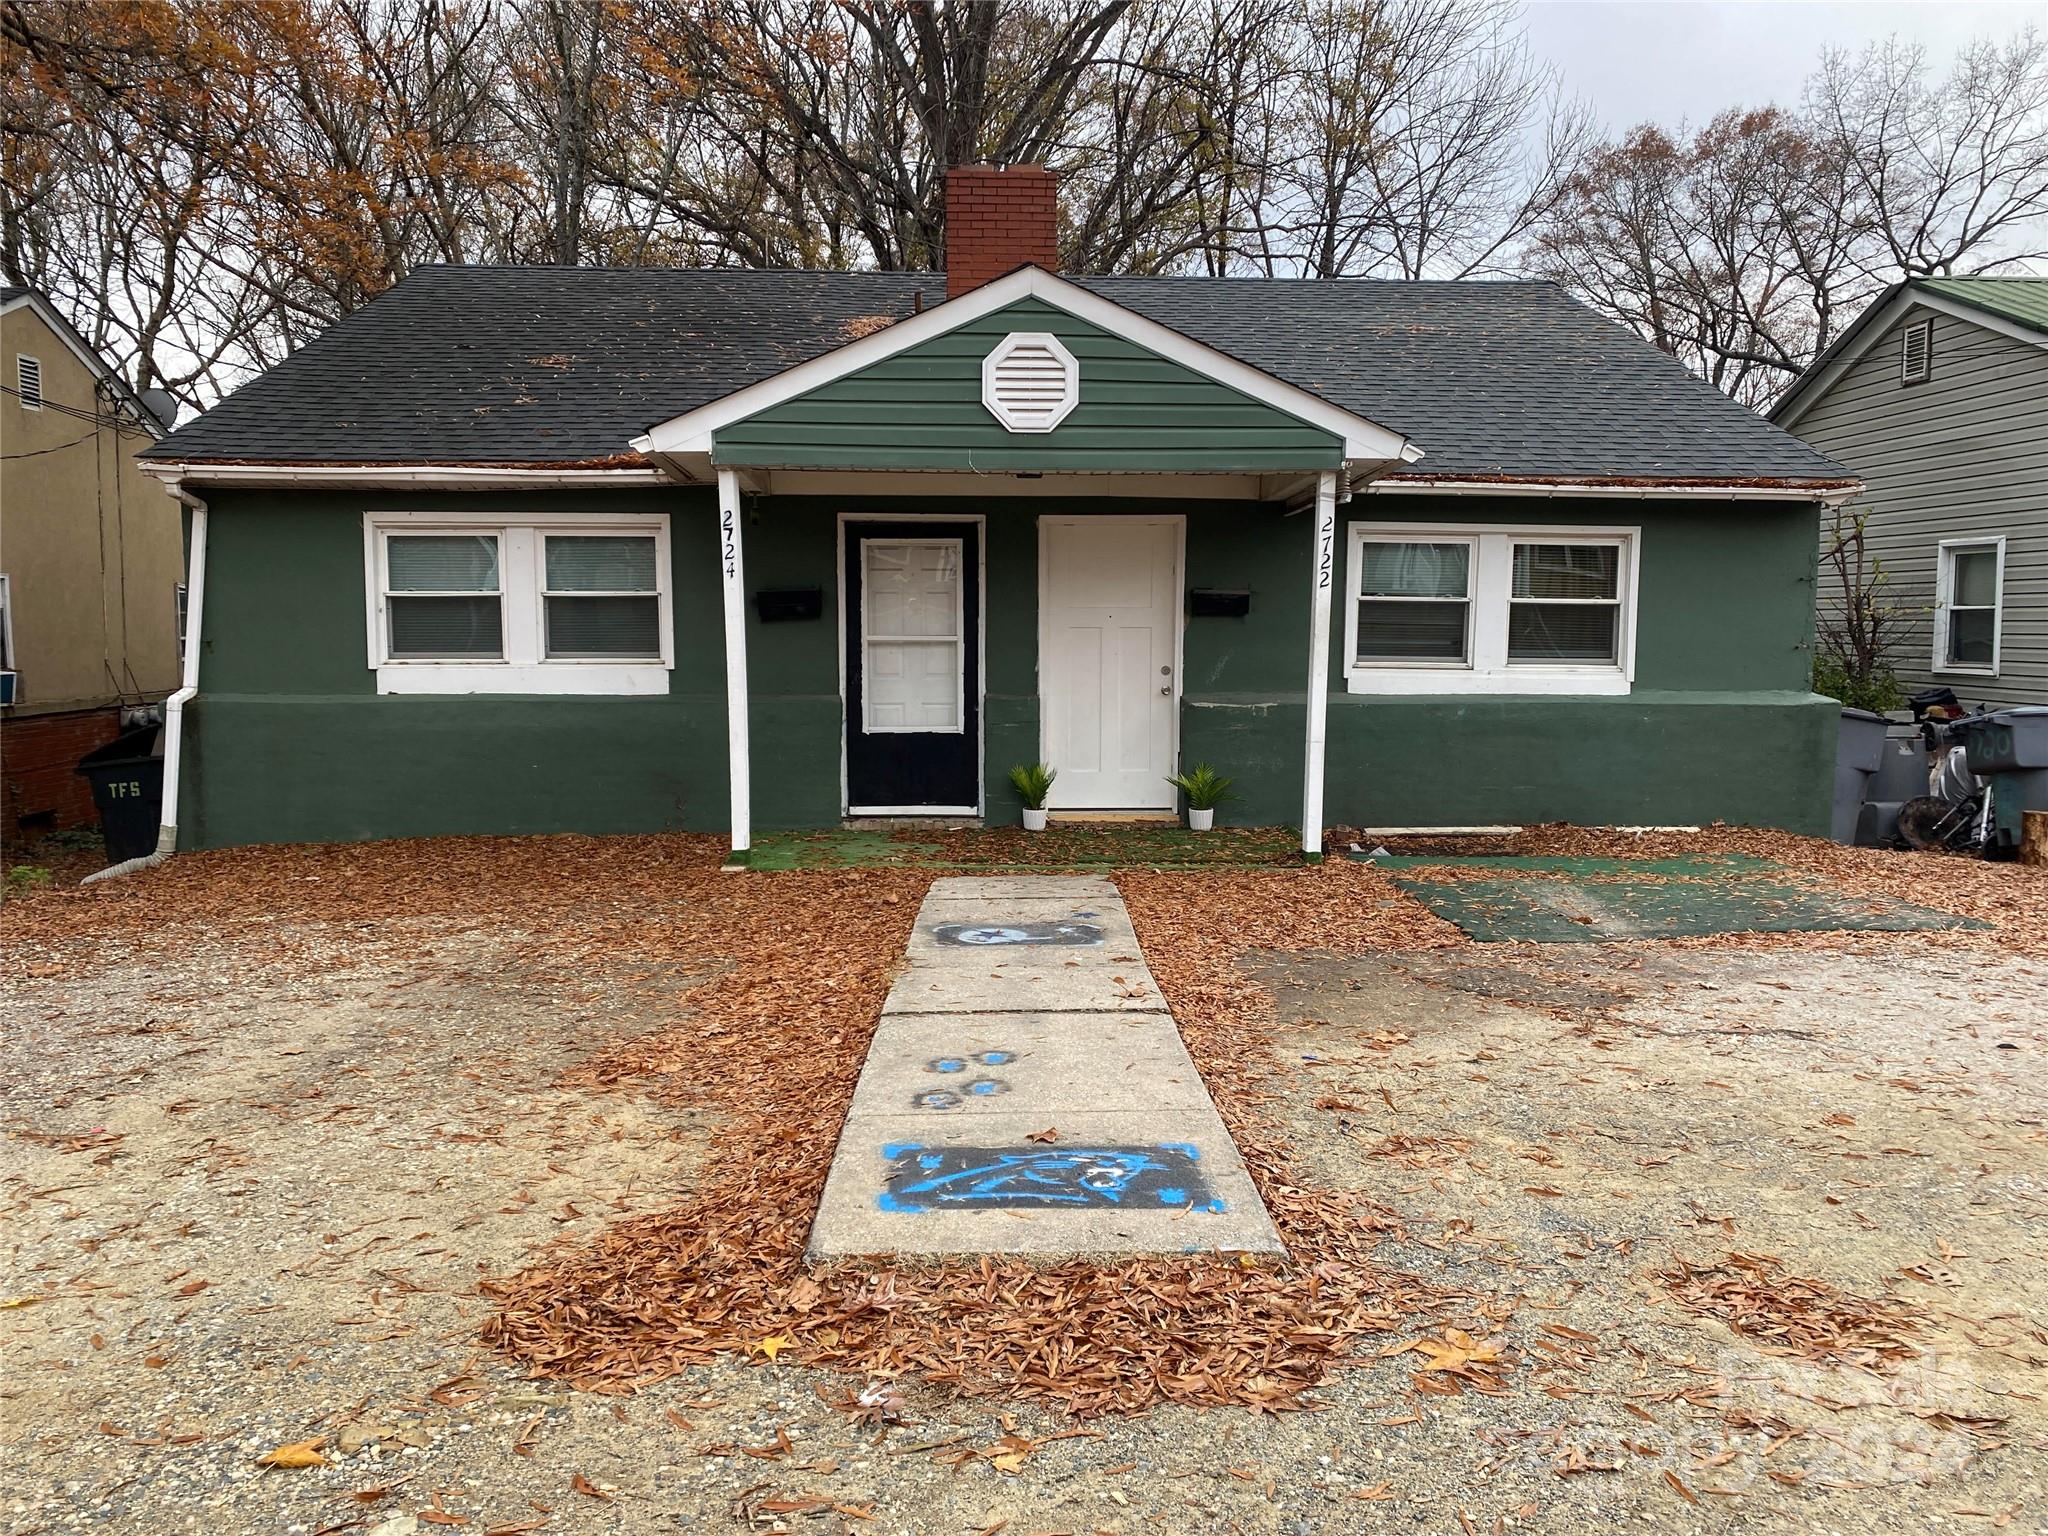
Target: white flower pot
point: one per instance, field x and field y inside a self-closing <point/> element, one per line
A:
<point x="1201" y="821"/>
<point x="1034" y="820"/>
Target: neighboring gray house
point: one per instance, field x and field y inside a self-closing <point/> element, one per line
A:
<point x="1937" y="397"/>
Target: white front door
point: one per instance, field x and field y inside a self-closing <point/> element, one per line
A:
<point x="1109" y="635"/>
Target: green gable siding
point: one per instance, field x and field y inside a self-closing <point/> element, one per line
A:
<point x="922" y="410"/>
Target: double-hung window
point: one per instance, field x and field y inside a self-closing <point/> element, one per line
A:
<point x="1470" y="608"/>
<point x="478" y="603"/>
<point x="1969" y="586"/>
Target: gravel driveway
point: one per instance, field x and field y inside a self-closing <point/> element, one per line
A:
<point x="253" y="1176"/>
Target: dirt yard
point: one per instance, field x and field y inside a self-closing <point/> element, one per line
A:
<point x="475" y="1171"/>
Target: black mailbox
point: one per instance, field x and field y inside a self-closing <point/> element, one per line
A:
<point x="777" y="604"/>
<point x="1219" y="603"/>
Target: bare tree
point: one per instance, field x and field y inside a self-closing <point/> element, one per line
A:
<point x="1741" y="248"/>
<point x="1409" y="133"/>
<point x="1953" y="172"/>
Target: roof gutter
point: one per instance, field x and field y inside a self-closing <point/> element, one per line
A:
<point x="1830" y="494"/>
<point x="174" y="706"/>
<point x="461" y="477"/>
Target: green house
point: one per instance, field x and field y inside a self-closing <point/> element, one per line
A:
<point x="542" y="549"/>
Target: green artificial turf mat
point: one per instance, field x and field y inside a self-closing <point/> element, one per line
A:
<point x="1566" y="911"/>
<point x="1702" y="864"/>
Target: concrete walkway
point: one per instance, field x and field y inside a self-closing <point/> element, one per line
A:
<point x="1027" y="1092"/>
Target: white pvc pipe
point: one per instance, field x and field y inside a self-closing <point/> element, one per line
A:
<point x="174" y="706"/>
<point x="732" y="563"/>
<point x="1322" y="573"/>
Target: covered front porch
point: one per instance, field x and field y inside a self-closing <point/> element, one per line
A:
<point x="895" y="656"/>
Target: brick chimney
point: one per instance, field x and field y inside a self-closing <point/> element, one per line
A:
<point x="997" y="219"/>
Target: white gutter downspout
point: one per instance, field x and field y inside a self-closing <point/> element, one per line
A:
<point x="174" y="706"/>
<point x="1322" y="574"/>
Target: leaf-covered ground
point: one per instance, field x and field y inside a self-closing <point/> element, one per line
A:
<point x="476" y="1172"/>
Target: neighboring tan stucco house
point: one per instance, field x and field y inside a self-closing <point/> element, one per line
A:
<point x="546" y="548"/>
<point x="91" y="559"/>
<point x="1937" y="397"/>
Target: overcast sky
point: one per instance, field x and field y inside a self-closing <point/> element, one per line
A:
<point x="1667" y="60"/>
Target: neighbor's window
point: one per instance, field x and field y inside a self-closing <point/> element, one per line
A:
<point x="1490" y="609"/>
<point x="28" y="381"/>
<point x="1968" y="584"/>
<point x="472" y="605"/>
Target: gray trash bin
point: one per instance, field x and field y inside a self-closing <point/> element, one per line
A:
<point x="1859" y="748"/>
<point x="2010" y="748"/>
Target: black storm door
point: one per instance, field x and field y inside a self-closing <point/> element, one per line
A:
<point x="913" y="665"/>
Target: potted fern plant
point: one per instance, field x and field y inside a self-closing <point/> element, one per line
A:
<point x="1033" y="782"/>
<point x="1205" y="789"/>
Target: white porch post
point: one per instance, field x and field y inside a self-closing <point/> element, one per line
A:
<point x="732" y="563"/>
<point x="1321" y="575"/>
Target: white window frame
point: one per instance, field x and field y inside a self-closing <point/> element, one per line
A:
<point x="1944" y="601"/>
<point x="1490" y="589"/>
<point x="1925" y="330"/>
<point x="525" y="666"/>
<point x="21" y="391"/>
<point x="6" y="624"/>
<point x="958" y="639"/>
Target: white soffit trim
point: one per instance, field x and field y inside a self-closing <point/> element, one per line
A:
<point x="1675" y="490"/>
<point x="1813" y="387"/>
<point x="1366" y="441"/>
<point x="446" y="476"/>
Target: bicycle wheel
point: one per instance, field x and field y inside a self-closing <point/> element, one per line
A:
<point x="1930" y="823"/>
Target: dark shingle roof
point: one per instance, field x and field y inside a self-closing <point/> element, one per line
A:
<point x="566" y="365"/>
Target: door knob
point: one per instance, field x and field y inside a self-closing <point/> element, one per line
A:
<point x="1166" y="692"/>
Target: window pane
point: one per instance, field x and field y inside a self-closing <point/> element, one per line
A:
<point x="1976" y="578"/>
<point x="911" y="686"/>
<point x="443" y="562"/>
<point x="581" y="628"/>
<point x="1567" y="570"/>
<point x="587" y="563"/>
<point x="1411" y="631"/>
<point x="1969" y="636"/>
<point x="1562" y="632"/>
<point x="913" y="589"/>
<point x="463" y="627"/>
<point x="1414" y="570"/>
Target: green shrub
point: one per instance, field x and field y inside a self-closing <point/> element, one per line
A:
<point x="1033" y="782"/>
<point x="1878" y="693"/>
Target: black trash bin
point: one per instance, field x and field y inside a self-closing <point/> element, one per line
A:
<point x="127" y="777"/>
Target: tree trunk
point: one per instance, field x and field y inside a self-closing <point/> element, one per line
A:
<point x="2034" y="838"/>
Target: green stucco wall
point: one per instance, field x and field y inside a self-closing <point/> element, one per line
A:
<point x="289" y="740"/>
<point x="922" y="410"/>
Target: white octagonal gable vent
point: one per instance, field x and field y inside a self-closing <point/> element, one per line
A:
<point x="1030" y="382"/>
